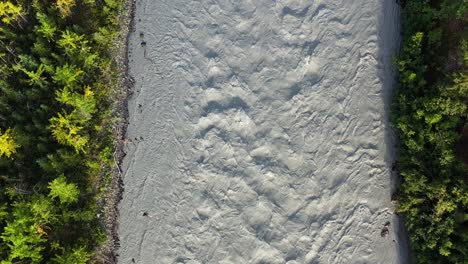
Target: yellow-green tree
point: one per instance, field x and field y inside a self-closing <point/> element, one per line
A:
<point x="65" y="6"/>
<point x="10" y="13"/>
<point x="70" y="128"/>
<point x="68" y="131"/>
<point x="66" y="192"/>
<point x="8" y="145"/>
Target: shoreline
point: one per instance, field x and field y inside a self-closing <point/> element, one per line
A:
<point x="108" y="203"/>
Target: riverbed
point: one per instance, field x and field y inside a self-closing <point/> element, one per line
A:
<point x="259" y="133"/>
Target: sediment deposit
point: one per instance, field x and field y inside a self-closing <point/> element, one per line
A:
<point x="258" y="133"/>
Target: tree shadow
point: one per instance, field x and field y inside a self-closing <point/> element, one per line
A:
<point x="389" y="45"/>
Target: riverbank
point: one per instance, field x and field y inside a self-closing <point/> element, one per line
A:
<point x="111" y="182"/>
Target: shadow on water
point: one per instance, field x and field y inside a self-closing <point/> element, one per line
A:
<point x="389" y="43"/>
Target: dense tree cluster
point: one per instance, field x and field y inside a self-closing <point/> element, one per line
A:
<point x="429" y="114"/>
<point x="54" y="83"/>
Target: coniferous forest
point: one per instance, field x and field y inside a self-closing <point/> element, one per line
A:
<point x="55" y="140"/>
<point x="429" y="115"/>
